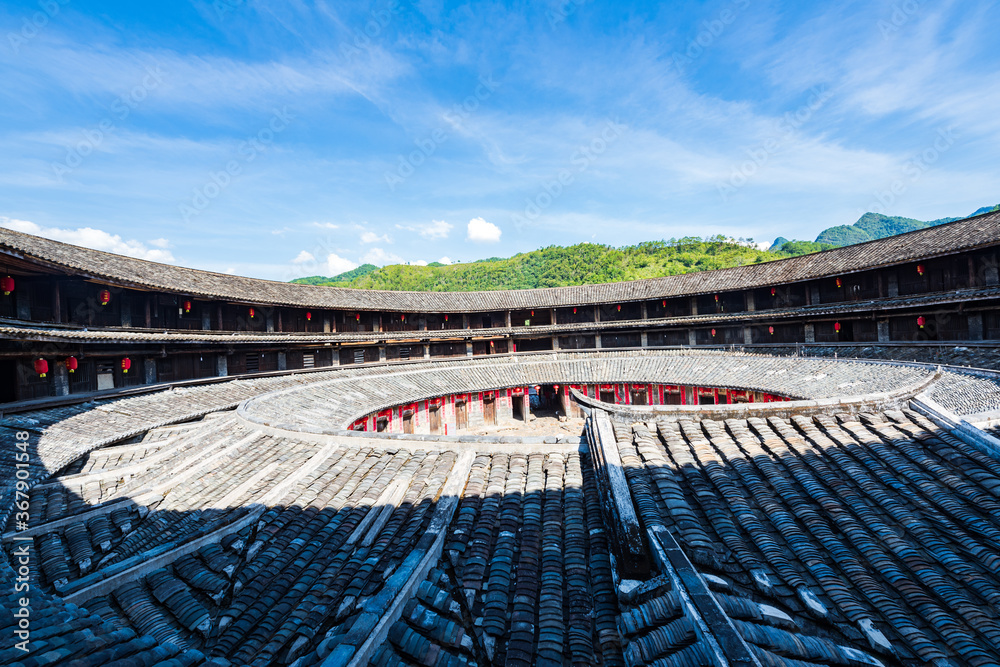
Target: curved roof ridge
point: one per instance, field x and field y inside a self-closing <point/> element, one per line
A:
<point x="967" y="233"/>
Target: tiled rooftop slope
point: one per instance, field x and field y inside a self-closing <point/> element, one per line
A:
<point x="879" y="533"/>
<point x="332" y="403"/>
<point x="959" y="235"/>
<point x="838" y="541"/>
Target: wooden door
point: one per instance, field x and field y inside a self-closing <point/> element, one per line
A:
<point x="490" y="410"/>
<point x="434" y="413"/>
<point x="461" y="415"/>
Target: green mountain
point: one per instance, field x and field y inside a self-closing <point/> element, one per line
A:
<point x="557" y="266"/>
<point x="869" y="227"/>
<point x="341" y="278"/>
<point x="589" y="263"/>
<point x="873" y="226"/>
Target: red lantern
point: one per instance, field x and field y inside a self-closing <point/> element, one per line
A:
<point x="713" y="333"/>
<point x="402" y="318"/>
<point x="839" y="284"/>
<point x="920" y="269"/>
<point x="574" y="311"/>
<point x="72" y="364"/>
<point x="664" y="303"/>
<point x="921" y="321"/>
<point x="105" y="297"/>
<point x="126" y="364"/>
<point x="187" y="306"/>
<point x="619" y="308"/>
<point x="252" y="313"/>
<point x="357" y="317"/>
<point x="770" y="330"/>
<point x="445" y="318"/>
<point x="773" y="291"/>
<point x="7" y="285"/>
<point x="41" y="367"/>
<point x="556" y="387"/>
<point x="532" y="313"/>
<point x="717" y="298"/>
<point x="309" y="316"/>
<point x="836" y="327"/>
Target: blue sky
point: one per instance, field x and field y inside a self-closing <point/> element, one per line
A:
<point x="281" y="139"/>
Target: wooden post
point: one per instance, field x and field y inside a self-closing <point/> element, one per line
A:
<point x="56" y="302"/>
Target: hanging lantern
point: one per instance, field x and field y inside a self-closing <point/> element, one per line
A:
<point x="402" y="318"/>
<point x="187" y="306"/>
<point x="41" y="367"/>
<point x="556" y="387"/>
<point x="252" y="313"/>
<point x="445" y="318"/>
<point x="921" y="321"/>
<point x="532" y="313"/>
<point x="126" y="364"/>
<point x="836" y="327"/>
<point x="619" y="308"/>
<point x="773" y="291"/>
<point x="664" y="303"/>
<point x="713" y="333"/>
<point x="7" y="285"/>
<point x="920" y="269"/>
<point x="717" y="298"/>
<point x="770" y="330"/>
<point x="309" y="316"/>
<point x="839" y="284"/>
<point x="574" y="311"/>
<point x="105" y="297"/>
<point x="72" y="364"/>
<point x="357" y="317"/>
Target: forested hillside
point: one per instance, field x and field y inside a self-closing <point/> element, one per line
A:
<point x="589" y="263"/>
<point x="557" y="266"/>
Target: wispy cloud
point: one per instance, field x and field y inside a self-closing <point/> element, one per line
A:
<point x="97" y="239"/>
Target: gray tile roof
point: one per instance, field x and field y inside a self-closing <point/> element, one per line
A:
<point x="974" y="232"/>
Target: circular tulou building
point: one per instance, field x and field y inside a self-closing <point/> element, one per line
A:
<point x="784" y="464"/>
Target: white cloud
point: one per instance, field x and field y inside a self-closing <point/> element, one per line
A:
<point x="98" y="239"/>
<point x="337" y="264"/>
<point x="481" y="231"/>
<point x="325" y="225"/>
<point x="419" y="262"/>
<point x="380" y="257"/>
<point x="435" y="229"/>
<point x="161" y="243"/>
<point x="304" y="257"/>
<point x="372" y="237"/>
<point x="445" y="260"/>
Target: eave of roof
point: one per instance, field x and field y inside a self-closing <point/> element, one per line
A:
<point x="970" y="233"/>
